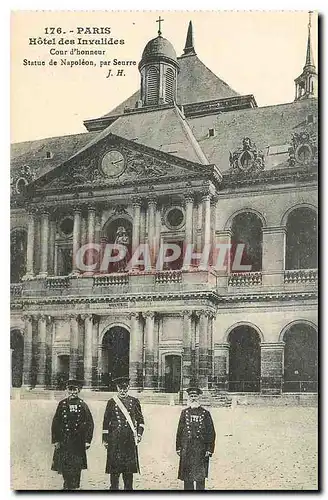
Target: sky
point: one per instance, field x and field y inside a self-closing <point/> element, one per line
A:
<point x="258" y="53"/>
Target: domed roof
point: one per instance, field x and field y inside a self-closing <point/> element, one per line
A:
<point x="157" y="48"/>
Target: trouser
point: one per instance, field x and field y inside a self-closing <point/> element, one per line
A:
<point x="72" y="480"/>
<point x="127" y="480"/>
<point x="189" y="485"/>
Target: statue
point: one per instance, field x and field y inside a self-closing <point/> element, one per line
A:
<point x="122" y="238"/>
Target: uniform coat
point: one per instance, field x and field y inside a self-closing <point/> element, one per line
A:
<point x="122" y="453"/>
<point x="72" y="427"/>
<point x="195" y="436"/>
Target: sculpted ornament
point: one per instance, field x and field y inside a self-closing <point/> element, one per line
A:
<point x="304" y="149"/>
<point x="247" y="158"/>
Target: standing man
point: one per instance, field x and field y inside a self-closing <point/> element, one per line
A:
<point x="195" y="442"/>
<point x="123" y="427"/>
<point x="72" y="431"/>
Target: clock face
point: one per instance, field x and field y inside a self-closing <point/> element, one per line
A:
<point x="113" y="163"/>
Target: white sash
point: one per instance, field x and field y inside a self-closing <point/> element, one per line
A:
<point x="127" y="416"/>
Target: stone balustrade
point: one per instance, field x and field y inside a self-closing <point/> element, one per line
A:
<point x="245" y="279"/>
<point x="58" y="282"/>
<point x="301" y="276"/>
<point x="110" y="280"/>
<point x="16" y="289"/>
<point x="168" y="277"/>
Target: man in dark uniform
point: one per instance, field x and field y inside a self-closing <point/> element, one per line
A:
<point x="72" y="431"/>
<point x="195" y="442"/>
<point x="123" y="427"/>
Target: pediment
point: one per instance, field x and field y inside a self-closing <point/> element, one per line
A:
<point x="116" y="161"/>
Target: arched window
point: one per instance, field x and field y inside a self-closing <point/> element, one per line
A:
<point x="301" y="241"/>
<point x="18" y="246"/>
<point x="169" y="86"/>
<point x="152" y="86"/>
<point x="247" y="229"/>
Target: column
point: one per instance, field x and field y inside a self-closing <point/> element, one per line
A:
<point x="221" y="365"/>
<point x="30" y="246"/>
<point x="189" y="204"/>
<point x="88" y="329"/>
<point x="214" y="200"/>
<point x="206" y="211"/>
<point x="187" y="348"/>
<point x="52" y="239"/>
<point x="95" y="335"/>
<point x="91" y="225"/>
<point x="273" y="256"/>
<point x="74" y="345"/>
<point x="149" y="350"/>
<point x="222" y="260"/>
<point x="136" y="224"/>
<point x="53" y="356"/>
<point x="49" y="343"/>
<point x="203" y="349"/>
<point x="136" y="352"/>
<point x="76" y="238"/>
<point x="41" y="356"/>
<point x="210" y="346"/>
<point x="28" y="351"/>
<point x="151" y="227"/>
<point x="44" y="244"/>
<point x="272" y="367"/>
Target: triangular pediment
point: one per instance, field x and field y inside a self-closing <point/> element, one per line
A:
<point x="115" y="161"/>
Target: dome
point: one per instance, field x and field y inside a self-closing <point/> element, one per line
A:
<point x="158" y="47"/>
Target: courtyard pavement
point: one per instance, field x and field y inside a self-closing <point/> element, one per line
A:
<point x="256" y="449"/>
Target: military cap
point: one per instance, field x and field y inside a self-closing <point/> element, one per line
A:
<point x="72" y="382"/>
<point x="195" y="390"/>
<point x="121" y="381"/>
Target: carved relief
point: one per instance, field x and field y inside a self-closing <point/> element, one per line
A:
<point x="304" y="148"/>
<point x="247" y="159"/>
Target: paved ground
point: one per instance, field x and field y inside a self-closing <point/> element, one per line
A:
<point x="256" y="448"/>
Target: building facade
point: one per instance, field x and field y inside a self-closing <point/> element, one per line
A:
<point x="185" y="161"/>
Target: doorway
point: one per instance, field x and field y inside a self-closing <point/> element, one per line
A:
<point x="172" y="379"/>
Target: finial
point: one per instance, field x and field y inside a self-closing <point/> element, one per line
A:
<point x="309" y="57"/>
<point x="189" y="46"/>
<point x="159" y="21"/>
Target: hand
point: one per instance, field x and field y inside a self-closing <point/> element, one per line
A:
<point x="106" y="445"/>
<point x="57" y="446"/>
<point x="87" y="446"/>
<point x="208" y="454"/>
<point x="138" y="438"/>
<point x="179" y="452"/>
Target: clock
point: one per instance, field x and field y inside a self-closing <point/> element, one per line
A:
<point x="113" y="163"/>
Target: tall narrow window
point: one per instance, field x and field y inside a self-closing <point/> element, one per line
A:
<point x="169" y="86"/>
<point x="152" y="86"/>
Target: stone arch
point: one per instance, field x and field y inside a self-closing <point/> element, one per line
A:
<point x="244" y="359"/>
<point x="300" y="357"/>
<point x="286" y="214"/>
<point x="110" y="325"/>
<point x="229" y="221"/>
<point x="114" y="351"/>
<point x="296" y="322"/>
<point x="301" y="238"/>
<point x="243" y="323"/>
<point x="246" y="229"/>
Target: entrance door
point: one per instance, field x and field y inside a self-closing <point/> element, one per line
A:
<point x="244" y="360"/>
<point x="172" y="373"/>
<point x="62" y="371"/>
<point x="115" y="356"/>
<point x="17" y="356"/>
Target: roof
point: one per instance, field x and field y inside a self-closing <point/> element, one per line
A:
<point x="196" y="83"/>
<point x="266" y="126"/>
<point x="170" y="133"/>
<point x="33" y="153"/>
